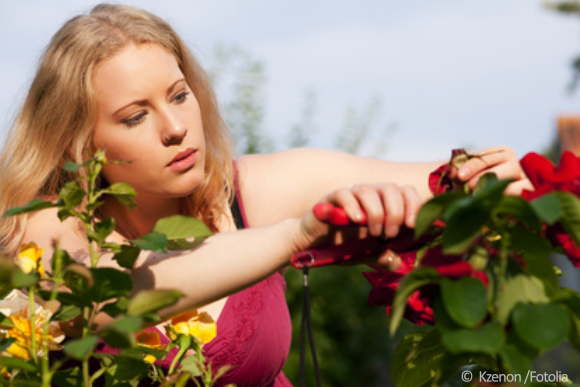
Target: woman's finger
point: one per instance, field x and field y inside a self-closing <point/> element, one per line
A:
<point x="370" y="200"/>
<point x="413" y="204"/>
<point x="394" y="208"/>
<point x="486" y="159"/>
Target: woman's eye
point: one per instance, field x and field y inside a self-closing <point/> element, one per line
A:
<point x="135" y="120"/>
<point x="181" y="97"/>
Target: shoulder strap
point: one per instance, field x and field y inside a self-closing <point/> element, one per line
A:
<point x="237" y="207"/>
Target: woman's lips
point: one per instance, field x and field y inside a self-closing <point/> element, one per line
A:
<point x="183" y="160"/>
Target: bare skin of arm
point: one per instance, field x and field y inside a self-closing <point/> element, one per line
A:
<point x="279" y="191"/>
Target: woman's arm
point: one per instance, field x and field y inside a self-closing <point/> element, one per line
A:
<point x="288" y="184"/>
<point x="230" y="261"/>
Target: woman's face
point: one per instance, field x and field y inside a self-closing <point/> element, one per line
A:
<point x="147" y="115"/>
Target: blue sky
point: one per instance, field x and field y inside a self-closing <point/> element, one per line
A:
<point x="448" y="73"/>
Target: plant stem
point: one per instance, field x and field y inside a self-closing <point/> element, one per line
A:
<point x="86" y="332"/>
<point x="32" y="316"/>
<point x="176" y="359"/>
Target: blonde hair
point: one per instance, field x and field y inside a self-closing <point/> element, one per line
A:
<point x="56" y="122"/>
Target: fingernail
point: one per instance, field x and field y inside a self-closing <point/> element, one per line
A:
<point x="377" y="229"/>
<point x="393" y="230"/>
<point x="411" y="220"/>
<point x="463" y="172"/>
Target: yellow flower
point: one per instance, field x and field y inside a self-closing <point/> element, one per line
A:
<point x="200" y="326"/>
<point x="30" y="258"/>
<point x="150" y="339"/>
<point x="15" y="306"/>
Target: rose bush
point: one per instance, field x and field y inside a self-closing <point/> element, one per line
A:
<point x="484" y="280"/>
<point x="28" y="331"/>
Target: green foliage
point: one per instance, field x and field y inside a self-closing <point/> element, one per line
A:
<point x="85" y="291"/>
<point x="504" y="323"/>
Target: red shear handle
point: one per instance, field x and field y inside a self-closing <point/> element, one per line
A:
<point x="335" y="216"/>
<point x="351" y="250"/>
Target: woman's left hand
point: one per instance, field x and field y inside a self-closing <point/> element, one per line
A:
<point x="502" y="161"/>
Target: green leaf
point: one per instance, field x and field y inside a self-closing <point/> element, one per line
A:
<point x="465" y="300"/>
<point x="535" y="251"/>
<point x="541" y="325"/>
<point x="489" y="190"/>
<point x="121" y="333"/>
<point x="488" y="339"/>
<point x="12" y="362"/>
<point x="464" y="220"/>
<point x="444" y="322"/>
<point x="72" y="167"/>
<point x="570" y="215"/>
<point x="71" y="195"/>
<point x="410" y="283"/>
<point x="153" y="241"/>
<point x="67" y="298"/>
<point x="125" y="370"/>
<point x="21" y="279"/>
<point x="118" y="307"/>
<point x="520" y="288"/>
<point x="71" y="377"/>
<point x="127" y="256"/>
<point x="109" y="283"/>
<point x="574" y="335"/>
<point x="33" y="205"/>
<point x="514" y="361"/>
<point x="518" y="208"/>
<point x="433" y="210"/>
<point x="5" y="322"/>
<point x="148" y="301"/>
<point x="181" y="227"/>
<point x="417" y="359"/>
<point x="192" y="365"/>
<point x="103" y="229"/>
<point x="570" y="299"/>
<point x="78" y="277"/>
<point x="81" y="348"/>
<point x="183" y="232"/>
<point x="66" y="313"/>
<point x="123" y="192"/>
<point x="548" y="208"/>
<point x="5" y="343"/>
<point x="7" y="268"/>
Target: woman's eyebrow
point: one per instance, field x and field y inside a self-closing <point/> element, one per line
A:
<point x="143" y="101"/>
<point x="170" y="89"/>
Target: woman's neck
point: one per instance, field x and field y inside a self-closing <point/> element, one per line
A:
<point x="136" y="222"/>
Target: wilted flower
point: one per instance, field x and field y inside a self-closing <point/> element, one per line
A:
<point x="30" y="258"/>
<point x="149" y="339"/>
<point x="200" y="326"/>
<point x="16" y="306"/>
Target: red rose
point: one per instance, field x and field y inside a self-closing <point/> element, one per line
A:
<point x="558" y="236"/>
<point x="547" y="178"/>
<point x="419" y="305"/>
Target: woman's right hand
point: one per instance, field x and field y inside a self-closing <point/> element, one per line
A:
<point x="386" y="208"/>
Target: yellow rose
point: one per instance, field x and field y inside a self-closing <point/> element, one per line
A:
<point x="30" y="258"/>
<point x="200" y="326"/>
<point x="149" y="339"/>
<point x="15" y="306"/>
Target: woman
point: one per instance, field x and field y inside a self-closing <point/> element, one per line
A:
<point x="120" y="79"/>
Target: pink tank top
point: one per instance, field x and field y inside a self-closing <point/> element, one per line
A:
<point x="253" y="330"/>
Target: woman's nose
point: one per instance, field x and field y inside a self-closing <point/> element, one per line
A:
<point x="174" y="129"/>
